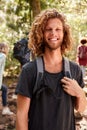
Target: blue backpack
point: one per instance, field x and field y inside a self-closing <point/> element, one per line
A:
<point x="21" y="52"/>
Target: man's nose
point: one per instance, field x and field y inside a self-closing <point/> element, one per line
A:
<point x="53" y="31"/>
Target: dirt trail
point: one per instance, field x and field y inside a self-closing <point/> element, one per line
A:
<point x="8" y="122"/>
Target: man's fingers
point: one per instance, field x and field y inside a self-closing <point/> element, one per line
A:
<point x="64" y="86"/>
<point x="65" y="80"/>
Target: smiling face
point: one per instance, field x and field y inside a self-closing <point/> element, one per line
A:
<point x="53" y="34"/>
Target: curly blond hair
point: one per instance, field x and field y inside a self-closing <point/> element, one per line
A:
<point x="36" y="43"/>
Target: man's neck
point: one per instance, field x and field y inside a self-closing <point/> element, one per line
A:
<point x="53" y="62"/>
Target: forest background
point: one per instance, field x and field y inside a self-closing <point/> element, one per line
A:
<point x="16" y="17"/>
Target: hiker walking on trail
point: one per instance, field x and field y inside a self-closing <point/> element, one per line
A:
<point x="82" y="55"/>
<point x="46" y="101"/>
<point x="3" y="87"/>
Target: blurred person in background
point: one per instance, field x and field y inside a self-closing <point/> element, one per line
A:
<point x="82" y="55"/>
<point x="3" y="53"/>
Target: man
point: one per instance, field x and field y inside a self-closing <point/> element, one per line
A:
<point x="51" y="107"/>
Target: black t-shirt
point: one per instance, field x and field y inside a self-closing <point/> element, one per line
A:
<point x="51" y="108"/>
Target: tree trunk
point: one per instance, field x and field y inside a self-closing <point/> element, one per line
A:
<point x="35" y="7"/>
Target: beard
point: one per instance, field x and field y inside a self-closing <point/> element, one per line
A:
<point x="53" y="46"/>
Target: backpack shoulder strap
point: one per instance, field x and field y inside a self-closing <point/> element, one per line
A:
<point x="67" y="68"/>
<point x="40" y="71"/>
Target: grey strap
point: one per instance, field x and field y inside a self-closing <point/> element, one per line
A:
<point x="39" y="62"/>
<point x="67" y="68"/>
<point x="40" y="71"/>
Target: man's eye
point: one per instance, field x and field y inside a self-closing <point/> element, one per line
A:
<point x="48" y="29"/>
<point x="58" y="29"/>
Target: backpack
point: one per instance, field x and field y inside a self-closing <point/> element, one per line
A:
<point x="39" y="111"/>
<point x="21" y="52"/>
<point x="82" y="52"/>
<point x="40" y="71"/>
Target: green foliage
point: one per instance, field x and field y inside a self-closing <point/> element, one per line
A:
<point x="16" y="18"/>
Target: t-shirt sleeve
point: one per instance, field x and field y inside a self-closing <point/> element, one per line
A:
<point x="26" y="81"/>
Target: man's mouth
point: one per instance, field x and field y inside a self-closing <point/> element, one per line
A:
<point x="53" y="39"/>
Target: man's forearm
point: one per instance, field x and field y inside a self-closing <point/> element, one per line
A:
<point x="21" y="122"/>
<point x="81" y="102"/>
